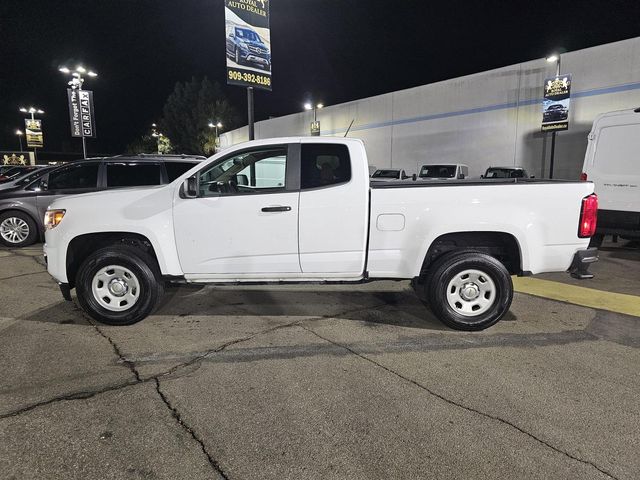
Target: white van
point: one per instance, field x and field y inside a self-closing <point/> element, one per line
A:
<point x="612" y="163"/>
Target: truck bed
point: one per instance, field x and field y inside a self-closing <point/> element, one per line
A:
<point x="466" y="182"/>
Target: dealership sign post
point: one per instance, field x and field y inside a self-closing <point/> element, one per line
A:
<point x="555" y="104"/>
<point x="248" y="48"/>
<point x="33" y="132"/>
<point x="81" y="115"/>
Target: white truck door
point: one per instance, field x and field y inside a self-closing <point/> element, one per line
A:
<point x="244" y="220"/>
<point x="334" y="196"/>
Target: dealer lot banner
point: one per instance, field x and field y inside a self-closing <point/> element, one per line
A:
<point x="33" y="132"/>
<point x="555" y="104"/>
<point x="248" y="43"/>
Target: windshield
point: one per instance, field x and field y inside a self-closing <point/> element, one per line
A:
<point x="504" y="173"/>
<point x="28" y="177"/>
<point x="438" y="171"/>
<point x="386" y="174"/>
<point x="248" y="35"/>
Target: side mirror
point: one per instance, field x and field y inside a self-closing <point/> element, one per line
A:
<point x="532" y="176"/>
<point x="242" y="179"/>
<point x="414" y="177"/>
<point x="481" y="176"/>
<point x="461" y="176"/>
<point x="190" y="187"/>
<point x="44" y="186"/>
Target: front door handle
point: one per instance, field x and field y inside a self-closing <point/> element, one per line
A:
<point x="276" y="209"/>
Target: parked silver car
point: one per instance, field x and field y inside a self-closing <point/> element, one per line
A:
<point x="22" y="207"/>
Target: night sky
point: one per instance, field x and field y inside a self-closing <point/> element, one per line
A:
<point x="333" y="50"/>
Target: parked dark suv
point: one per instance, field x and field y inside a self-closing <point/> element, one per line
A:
<point x="244" y="45"/>
<point x="22" y="208"/>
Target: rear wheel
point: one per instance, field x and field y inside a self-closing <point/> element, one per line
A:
<point x="469" y="291"/>
<point x="17" y="229"/>
<point x="119" y="285"/>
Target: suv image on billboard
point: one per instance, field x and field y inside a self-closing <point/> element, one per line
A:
<point x="244" y="46"/>
<point x="555" y="112"/>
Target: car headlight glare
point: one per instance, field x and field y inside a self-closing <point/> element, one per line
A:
<point x="52" y="218"/>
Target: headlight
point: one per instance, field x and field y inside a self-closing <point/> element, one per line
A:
<point x="53" y="218"/>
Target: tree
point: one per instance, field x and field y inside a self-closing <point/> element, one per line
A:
<point x="150" y="144"/>
<point x="189" y="110"/>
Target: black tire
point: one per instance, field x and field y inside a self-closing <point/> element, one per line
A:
<point x="137" y="262"/>
<point x="596" y="240"/>
<point x="22" y="219"/>
<point x="493" y="277"/>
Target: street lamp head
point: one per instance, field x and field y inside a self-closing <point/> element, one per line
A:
<point x="64" y="70"/>
<point x="320" y="105"/>
<point x="19" y="132"/>
<point x="219" y="125"/>
<point x="553" y="58"/>
<point x="91" y="73"/>
<point x="23" y="110"/>
<point x="39" y="111"/>
<point x="308" y="106"/>
<point x="153" y="125"/>
<point x="80" y="69"/>
<point x="211" y="125"/>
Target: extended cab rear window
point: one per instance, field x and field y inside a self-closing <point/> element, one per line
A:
<point x="323" y="165"/>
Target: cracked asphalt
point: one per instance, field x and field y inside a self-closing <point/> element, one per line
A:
<point x="294" y="382"/>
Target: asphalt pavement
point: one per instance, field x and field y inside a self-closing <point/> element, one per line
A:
<point x="331" y="382"/>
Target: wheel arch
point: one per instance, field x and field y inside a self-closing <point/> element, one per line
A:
<point x="82" y="245"/>
<point x="504" y="246"/>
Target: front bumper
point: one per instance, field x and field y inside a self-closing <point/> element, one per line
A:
<point x="581" y="260"/>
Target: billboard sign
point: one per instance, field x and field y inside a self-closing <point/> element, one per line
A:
<point x="81" y="113"/>
<point x="555" y="104"/>
<point x="248" y="43"/>
<point x="33" y="132"/>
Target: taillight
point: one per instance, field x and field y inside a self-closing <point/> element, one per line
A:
<point x="588" y="216"/>
<point x="583" y="177"/>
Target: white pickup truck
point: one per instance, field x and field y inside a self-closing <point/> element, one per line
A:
<point x="305" y="210"/>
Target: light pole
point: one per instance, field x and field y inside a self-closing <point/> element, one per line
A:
<point x="157" y="135"/>
<point x="554" y="57"/>
<point x="76" y="84"/>
<point x="314" y="107"/>
<point x="19" y="133"/>
<point x="315" y="126"/>
<point x="32" y="111"/>
<point x="216" y="126"/>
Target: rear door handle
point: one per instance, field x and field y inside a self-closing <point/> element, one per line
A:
<point x="276" y="209"/>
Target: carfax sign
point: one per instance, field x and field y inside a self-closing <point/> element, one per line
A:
<point x="81" y="115"/>
<point x="555" y="104"/>
<point x="248" y="43"/>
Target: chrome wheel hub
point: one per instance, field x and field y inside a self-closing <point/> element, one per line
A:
<point x="471" y="292"/>
<point x="14" y="230"/>
<point x="115" y="288"/>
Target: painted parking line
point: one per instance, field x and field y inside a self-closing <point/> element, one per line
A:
<point x="587" y="297"/>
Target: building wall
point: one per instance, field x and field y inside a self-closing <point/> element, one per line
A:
<point x="484" y="119"/>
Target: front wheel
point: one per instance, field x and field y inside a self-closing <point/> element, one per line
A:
<point x="17" y="229"/>
<point x="119" y="285"/>
<point x="469" y="291"/>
